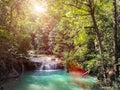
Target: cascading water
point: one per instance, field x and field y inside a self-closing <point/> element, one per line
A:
<point x="45" y="66"/>
<point x="51" y="65"/>
<point x="46" y="62"/>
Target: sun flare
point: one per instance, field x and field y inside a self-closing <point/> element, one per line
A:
<point x="40" y="9"/>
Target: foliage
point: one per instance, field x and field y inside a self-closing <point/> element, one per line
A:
<point x="84" y="32"/>
<point x="80" y="31"/>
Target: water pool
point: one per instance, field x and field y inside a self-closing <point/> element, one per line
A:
<point x="49" y="80"/>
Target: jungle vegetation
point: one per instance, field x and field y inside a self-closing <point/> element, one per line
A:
<point x="83" y="32"/>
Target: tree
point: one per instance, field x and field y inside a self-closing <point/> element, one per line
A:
<point x="115" y="30"/>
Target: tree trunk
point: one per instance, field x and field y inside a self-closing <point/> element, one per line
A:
<point x="115" y="38"/>
<point x="97" y="31"/>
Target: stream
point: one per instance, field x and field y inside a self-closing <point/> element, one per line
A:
<point x="49" y="78"/>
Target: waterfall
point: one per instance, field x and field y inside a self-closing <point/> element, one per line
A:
<point x="46" y="62"/>
<point x="48" y="66"/>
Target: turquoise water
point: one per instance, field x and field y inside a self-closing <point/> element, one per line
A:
<point x="49" y="80"/>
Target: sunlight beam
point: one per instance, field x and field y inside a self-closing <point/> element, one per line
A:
<point x="39" y="8"/>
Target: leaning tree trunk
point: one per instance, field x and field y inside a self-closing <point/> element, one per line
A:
<point x="115" y="38"/>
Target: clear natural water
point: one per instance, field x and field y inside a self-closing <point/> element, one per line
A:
<point x="48" y="80"/>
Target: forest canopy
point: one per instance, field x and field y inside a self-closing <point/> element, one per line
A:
<point x="84" y="32"/>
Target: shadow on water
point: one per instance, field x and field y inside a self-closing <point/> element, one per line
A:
<point x="47" y="80"/>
